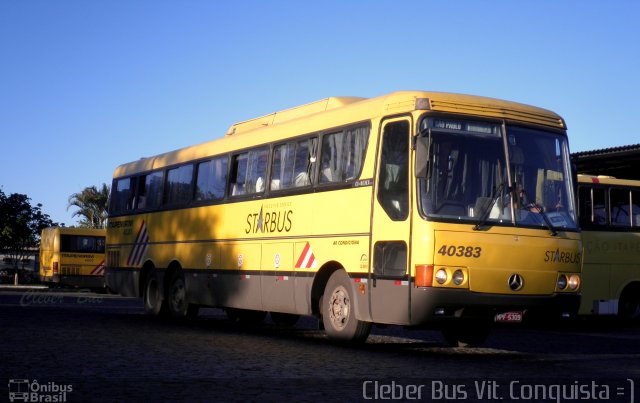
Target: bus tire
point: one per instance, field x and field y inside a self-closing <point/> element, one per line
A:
<point x="338" y="311"/>
<point x="629" y="304"/>
<point x="177" y="301"/>
<point x="154" y="304"/>
<point x="466" y="334"/>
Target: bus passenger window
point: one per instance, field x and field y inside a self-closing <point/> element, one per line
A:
<point x="122" y="196"/>
<point x="211" y="179"/>
<point x="635" y="208"/>
<point x="591" y="204"/>
<point x="100" y="243"/>
<point x="292" y="164"/>
<point x="238" y="174"/>
<point x="281" y="166"/>
<point x="599" y="215"/>
<point x="178" y="187"/>
<point x="149" y="193"/>
<point x="85" y="244"/>
<point x="343" y="154"/>
<point x="302" y="165"/>
<point x="257" y="170"/>
<point x="620" y="207"/>
<point x="248" y="172"/>
<point x="584" y="205"/>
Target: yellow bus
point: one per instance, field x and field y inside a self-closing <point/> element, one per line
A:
<point x="413" y="208"/>
<point x="609" y="215"/>
<point x="73" y="256"/>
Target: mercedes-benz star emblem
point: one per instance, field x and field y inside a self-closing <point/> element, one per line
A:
<point x="516" y="282"/>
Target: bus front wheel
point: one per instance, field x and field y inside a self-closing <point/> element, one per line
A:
<point x="338" y="311"/>
<point x="153" y="301"/>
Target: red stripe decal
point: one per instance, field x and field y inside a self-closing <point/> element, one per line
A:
<point x="303" y="255"/>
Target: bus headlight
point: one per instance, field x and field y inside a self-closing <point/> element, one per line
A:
<point x="562" y="282"/>
<point x="574" y="282"/>
<point x="441" y="276"/>
<point x="458" y="277"/>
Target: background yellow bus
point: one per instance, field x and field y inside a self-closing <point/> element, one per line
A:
<point x="414" y="208"/>
<point x="610" y="219"/>
<point x="73" y="256"/>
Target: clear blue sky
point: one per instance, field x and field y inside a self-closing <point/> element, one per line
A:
<point x="88" y="85"/>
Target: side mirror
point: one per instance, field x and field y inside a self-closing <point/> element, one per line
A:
<point x="422" y="157"/>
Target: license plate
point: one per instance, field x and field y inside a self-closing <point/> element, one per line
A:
<point x="509" y="317"/>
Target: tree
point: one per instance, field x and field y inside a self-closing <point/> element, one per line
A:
<point x="20" y="226"/>
<point x="92" y="206"/>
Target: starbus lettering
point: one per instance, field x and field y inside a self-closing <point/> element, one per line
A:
<point x="121" y="224"/>
<point x="269" y="221"/>
<point x="558" y="256"/>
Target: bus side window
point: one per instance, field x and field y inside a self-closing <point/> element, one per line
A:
<point x="620" y="200"/>
<point x="599" y="207"/>
<point x="249" y="172"/>
<point x="302" y="164"/>
<point x="238" y="174"/>
<point x="85" y="244"/>
<point x="635" y="208"/>
<point x="177" y="190"/>
<point x="100" y="243"/>
<point x="584" y="205"/>
<point x="257" y="170"/>
<point x="592" y="206"/>
<point x="292" y="165"/>
<point x="122" y="196"/>
<point x="149" y="194"/>
<point x="343" y="154"/>
<point x="211" y="179"/>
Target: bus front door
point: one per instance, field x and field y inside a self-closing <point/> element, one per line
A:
<point x="390" y="228"/>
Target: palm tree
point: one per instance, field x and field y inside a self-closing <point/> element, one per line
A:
<point x="92" y="206"/>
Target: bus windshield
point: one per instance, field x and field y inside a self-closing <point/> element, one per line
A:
<point x="468" y="178"/>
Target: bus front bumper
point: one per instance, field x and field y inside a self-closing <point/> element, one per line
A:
<point x="443" y="305"/>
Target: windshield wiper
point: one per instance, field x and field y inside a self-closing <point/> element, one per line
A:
<point x="545" y="218"/>
<point x="487" y="211"/>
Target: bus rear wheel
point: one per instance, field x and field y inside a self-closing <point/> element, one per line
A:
<point x="338" y="311"/>
<point x="153" y="302"/>
<point x="177" y="302"/>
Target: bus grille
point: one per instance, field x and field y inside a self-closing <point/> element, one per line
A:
<point x="70" y="271"/>
<point x="113" y="258"/>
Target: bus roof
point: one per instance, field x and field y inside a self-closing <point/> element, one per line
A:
<point x="75" y="231"/>
<point x="339" y="111"/>
<point x="405" y="101"/>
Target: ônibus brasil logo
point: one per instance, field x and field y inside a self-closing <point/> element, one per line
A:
<point x="23" y="390"/>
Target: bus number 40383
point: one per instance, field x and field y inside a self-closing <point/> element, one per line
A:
<point x="460" y="251"/>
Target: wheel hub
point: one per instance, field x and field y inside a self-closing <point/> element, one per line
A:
<point x="339" y="308"/>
